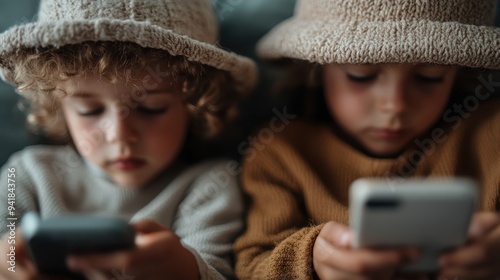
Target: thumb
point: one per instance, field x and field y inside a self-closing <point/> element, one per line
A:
<point x="149" y="232"/>
<point x="337" y="234"/>
<point x="147" y="226"/>
<point x="482" y="224"/>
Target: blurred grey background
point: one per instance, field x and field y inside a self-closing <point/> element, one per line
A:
<point x="242" y="23"/>
<point x="13" y="135"/>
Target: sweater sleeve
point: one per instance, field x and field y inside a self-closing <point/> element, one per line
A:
<point x="16" y="191"/>
<point x="210" y="218"/>
<point x="279" y="238"/>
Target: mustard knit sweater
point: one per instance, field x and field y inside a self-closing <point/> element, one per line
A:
<point x="300" y="180"/>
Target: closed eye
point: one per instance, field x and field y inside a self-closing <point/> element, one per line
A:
<point x="91" y="113"/>
<point x="152" y="111"/>
<point x="429" y="80"/>
<point x="361" y="79"/>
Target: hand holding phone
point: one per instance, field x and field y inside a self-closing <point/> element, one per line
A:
<point x="50" y="241"/>
<point x="431" y="214"/>
<point x="333" y="257"/>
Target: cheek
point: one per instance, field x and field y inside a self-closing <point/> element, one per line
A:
<point x="168" y="135"/>
<point x="346" y="107"/>
<point x="85" y="134"/>
<point x="433" y="105"/>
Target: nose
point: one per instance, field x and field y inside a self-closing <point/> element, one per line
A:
<point x="121" y="129"/>
<point x="393" y="99"/>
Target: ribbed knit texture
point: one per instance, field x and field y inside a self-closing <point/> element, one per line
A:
<point x="185" y="28"/>
<point x="202" y="204"/>
<point x="301" y="180"/>
<point x="450" y="32"/>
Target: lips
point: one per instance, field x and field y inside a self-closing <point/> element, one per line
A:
<point x="389" y="134"/>
<point x="128" y="163"/>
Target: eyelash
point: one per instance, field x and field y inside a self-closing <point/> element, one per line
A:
<point x="430" y="80"/>
<point x="370" y="78"/>
<point x="91" y="113"/>
<point x="362" y="79"/>
<point x="149" y="111"/>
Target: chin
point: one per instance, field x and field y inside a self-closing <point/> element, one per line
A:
<point x="129" y="182"/>
<point x="385" y="152"/>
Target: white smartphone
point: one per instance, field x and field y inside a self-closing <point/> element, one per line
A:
<point x="432" y="214"/>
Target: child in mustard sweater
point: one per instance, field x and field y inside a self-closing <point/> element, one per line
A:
<point x="126" y="86"/>
<point x="388" y="95"/>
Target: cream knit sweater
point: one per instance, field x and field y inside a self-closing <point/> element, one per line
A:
<point x="301" y="179"/>
<point x="201" y="204"/>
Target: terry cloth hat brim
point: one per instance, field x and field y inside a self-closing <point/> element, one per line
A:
<point x="448" y="43"/>
<point x="61" y="33"/>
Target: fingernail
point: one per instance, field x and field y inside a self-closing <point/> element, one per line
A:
<point x="344" y="239"/>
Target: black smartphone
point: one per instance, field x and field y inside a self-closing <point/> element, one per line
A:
<point x="50" y="241"/>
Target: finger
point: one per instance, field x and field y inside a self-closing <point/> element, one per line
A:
<point x="95" y="275"/>
<point x="467" y="256"/>
<point x="109" y="261"/>
<point x="336" y="274"/>
<point x="482" y="224"/>
<point x="480" y="252"/>
<point x="153" y="245"/>
<point x="147" y="226"/>
<point x="21" y="272"/>
<point x="487" y="273"/>
<point x="336" y="234"/>
<point x="28" y="265"/>
<point x="363" y="261"/>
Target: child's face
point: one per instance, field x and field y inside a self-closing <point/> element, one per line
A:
<point x="383" y="107"/>
<point x="132" y="135"/>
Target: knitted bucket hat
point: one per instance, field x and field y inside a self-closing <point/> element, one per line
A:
<point x="180" y="27"/>
<point x="450" y="32"/>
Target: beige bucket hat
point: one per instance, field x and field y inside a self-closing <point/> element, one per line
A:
<point x="181" y="27"/>
<point x="450" y="32"/>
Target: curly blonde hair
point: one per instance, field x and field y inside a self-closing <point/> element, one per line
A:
<point x="210" y="94"/>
